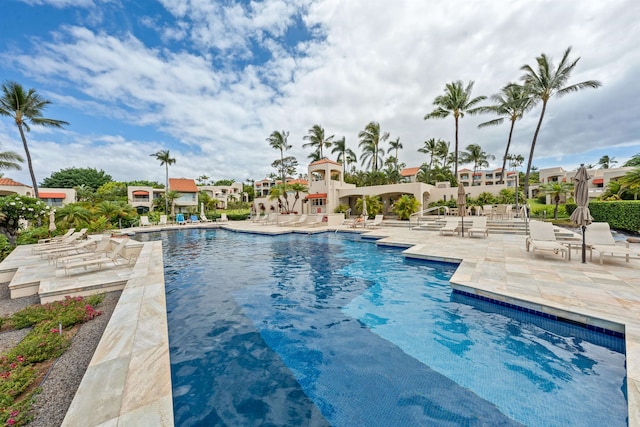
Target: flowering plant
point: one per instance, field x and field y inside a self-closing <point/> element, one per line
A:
<point x="14" y="208"/>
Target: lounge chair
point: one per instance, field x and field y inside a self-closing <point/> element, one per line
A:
<point x="599" y="238"/>
<point x="193" y="219"/>
<point x="300" y="221"/>
<point x="272" y="218"/>
<point x="112" y="257"/>
<point x="315" y="221"/>
<point x="479" y="226"/>
<point x="223" y="218"/>
<point x="204" y="218"/>
<point x="290" y="220"/>
<point x="259" y="218"/>
<point x="144" y="221"/>
<point x="376" y="222"/>
<point x="66" y="242"/>
<point x="74" y="248"/>
<point x="163" y="220"/>
<point x="57" y="238"/>
<point x="99" y="250"/>
<point x="180" y="219"/>
<point x="450" y="227"/>
<point x="542" y="237"/>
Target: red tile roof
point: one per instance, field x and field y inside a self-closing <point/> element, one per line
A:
<point x="598" y="181"/>
<point x="298" y="181"/>
<point x="183" y="185"/>
<point x="323" y="161"/>
<point x="409" y="171"/>
<point x="10" y="182"/>
<point x="317" y="196"/>
<point x="140" y="193"/>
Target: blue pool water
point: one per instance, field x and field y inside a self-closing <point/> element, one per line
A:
<point x="328" y="329"/>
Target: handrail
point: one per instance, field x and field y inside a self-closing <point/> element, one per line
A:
<point x="431" y="209"/>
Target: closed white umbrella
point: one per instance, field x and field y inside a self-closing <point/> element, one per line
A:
<point x="52" y="221"/>
<point x="202" y="209"/>
<point x="365" y="214"/>
<point x="581" y="216"/>
<point x="462" y="202"/>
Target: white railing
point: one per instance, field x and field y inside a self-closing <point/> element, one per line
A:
<point x="415" y="217"/>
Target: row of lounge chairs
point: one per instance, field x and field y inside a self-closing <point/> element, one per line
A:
<point x="476" y="226"/>
<point x="293" y="221"/>
<point x="181" y="219"/>
<point x="598" y="237"/>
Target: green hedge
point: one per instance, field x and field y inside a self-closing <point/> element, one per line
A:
<point x="620" y="214"/>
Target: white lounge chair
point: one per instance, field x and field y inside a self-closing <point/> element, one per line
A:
<point x="376" y="222"/>
<point x="450" y="227"/>
<point x="479" y="226"/>
<point x="300" y="221"/>
<point x="144" y="221"/>
<point x="223" y="218"/>
<point x="112" y="257"/>
<point x="599" y="238"/>
<point x="542" y="237"/>
<point x="204" y="218"/>
<point x="57" y="238"/>
<point x="68" y="242"/>
<point x="288" y="220"/>
<point x="314" y="221"/>
<point x="163" y="220"/>
<point x="99" y="250"/>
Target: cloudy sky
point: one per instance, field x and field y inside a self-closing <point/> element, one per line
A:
<point x="210" y="80"/>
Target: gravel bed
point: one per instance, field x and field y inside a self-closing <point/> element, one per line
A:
<point x="60" y="385"/>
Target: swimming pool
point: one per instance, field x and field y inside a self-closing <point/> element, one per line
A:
<point x="332" y="330"/>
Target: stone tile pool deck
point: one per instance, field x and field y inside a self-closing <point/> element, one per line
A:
<point x="128" y="382"/>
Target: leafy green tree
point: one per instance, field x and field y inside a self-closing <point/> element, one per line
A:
<point x="74" y="177"/>
<point x="287" y="166"/>
<point x="346" y="156"/>
<point x="24" y="108"/>
<point x="633" y="161"/>
<point x="477" y="156"/>
<point x="278" y="140"/>
<point x="392" y="170"/>
<point x="14" y="208"/>
<point x="456" y="102"/>
<point x="556" y="190"/>
<point x="405" y="206"/>
<point x="224" y="182"/>
<point x="433" y="149"/>
<point x="631" y="180"/>
<point x="605" y="162"/>
<point x="297" y="188"/>
<point x="546" y="82"/>
<point x="112" y="191"/>
<point x="115" y="211"/>
<point x="370" y="140"/>
<point x="512" y="102"/>
<point x="317" y="140"/>
<point x="203" y="180"/>
<point x="144" y="183"/>
<point x="279" y="193"/>
<point x="73" y="215"/>
<point x="164" y="157"/>
<point x="84" y="193"/>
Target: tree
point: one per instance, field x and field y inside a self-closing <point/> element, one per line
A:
<point x="14" y="208"/>
<point x="370" y="139"/>
<point x="115" y="211"/>
<point x="605" y="162"/>
<point x="278" y="140"/>
<point x="84" y="193"/>
<point x="203" y="180"/>
<point x="395" y="146"/>
<point x="73" y="215"/>
<point x="74" y="177"/>
<point x="431" y="148"/>
<point x="405" y="206"/>
<point x="164" y="157"/>
<point x="556" y="190"/>
<point x="25" y="108"/>
<point x="456" y="102"/>
<point x="287" y="166"/>
<point x="10" y="160"/>
<point x="298" y="188"/>
<point x="345" y="155"/>
<point x="633" y="161"/>
<point x="317" y="140"/>
<point x="112" y="191"/>
<point x="546" y="82"/>
<point x="477" y="156"/>
<point x="224" y="182"/>
<point x="631" y="180"/>
<point x="513" y="101"/>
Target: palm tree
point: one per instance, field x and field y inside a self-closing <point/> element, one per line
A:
<point x="477" y="156"/>
<point x="633" y="161"/>
<point x="10" y="159"/>
<point x="513" y="101"/>
<point x="631" y="180"/>
<point x="24" y="108"/>
<point x="556" y="190"/>
<point x="165" y="159"/>
<point x="605" y="162"/>
<point x="278" y="140"/>
<point x="457" y="102"/>
<point x="431" y="148"/>
<point x="545" y="83"/>
<point x="370" y="139"/>
<point x="317" y="139"/>
<point x="395" y="146"/>
<point x="345" y="155"/>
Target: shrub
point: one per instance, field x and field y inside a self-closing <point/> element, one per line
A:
<point x="5" y="249"/>
<point x="405" y="206"/>
<point x="341" y="208"/>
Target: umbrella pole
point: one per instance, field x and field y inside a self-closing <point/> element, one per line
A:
<point x="584" y="246"/>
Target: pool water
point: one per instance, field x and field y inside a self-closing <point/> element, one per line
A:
<point x="330" y="329"/>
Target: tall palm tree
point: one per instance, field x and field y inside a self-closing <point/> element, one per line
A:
<point x="345" y="155"/>
<point x="395" y="146"/>
<point x="631" y="180"/>
<point x="164" y="157"/>
<point x="317" y="140"/>
<point x="477" y="156"/>
<point x="605" y="162"/>
<point x="512" y="102"/>
<point x="556" y="190"/>
<point x="546" y="82"/>
<point x="430" y="147"/>
<point x="278" y="140"/>
<point x="370" y="139"/>
<point x="24" y="108"/>
<point x="456" y="102"/>
<point x="442" y="153"/>
<point x="10" y="160"/>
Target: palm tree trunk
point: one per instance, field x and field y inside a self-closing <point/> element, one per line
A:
<point x="26" y="150"/>
<point x="456" y="154"/>
<point x="506" y="153"/>
<point x="166" y="190"/>
<point x="533" y="147"/>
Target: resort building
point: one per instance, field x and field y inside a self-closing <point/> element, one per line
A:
<point x="54" y="197"/>
<point x="142" y="197"/>
<point x="469" y="178"/>
<point x="225" y="193"/>
<point x="597" y="184"/>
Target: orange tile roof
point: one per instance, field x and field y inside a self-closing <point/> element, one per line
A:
<point x="183" y="185"/>
<point x="323" y="161"/>
<point x="464" y="170"/>
<point x="317" y="196"/>
<point x="298" y="181"/>
<point x="10" y="182"/>
<point x="409" y="171"/>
